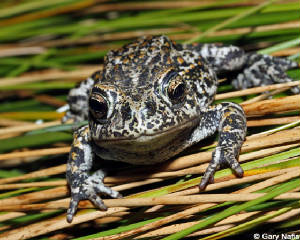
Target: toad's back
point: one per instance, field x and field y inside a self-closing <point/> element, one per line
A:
<point x="138" y="64"/>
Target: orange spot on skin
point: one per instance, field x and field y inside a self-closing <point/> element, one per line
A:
<point x="142" y="55"/>
<point x="180" y="60"/>
<point x="77" y="143"/>
<point x="169" y="61"/>
<point x="104" y="87"/>
<point x="151" y="49"/>
<point x="227" y="128"/>
<point x="226" y="114"/>
<point x="74" y="155"/>
<point x="143" y="44"/>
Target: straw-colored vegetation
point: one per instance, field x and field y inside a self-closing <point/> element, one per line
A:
<point x="46" y="47"/>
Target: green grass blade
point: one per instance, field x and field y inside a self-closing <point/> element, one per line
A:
<point x="250" y="224"/>
<point x="231" y="20"/>
<point x="233" y="210"/>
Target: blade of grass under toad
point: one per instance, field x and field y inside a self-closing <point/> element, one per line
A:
<point x="230" y="203"/>
<point x="291" y="163"/>
<point x="250" y="168"/>
<point x="10" y="173"/>
<point x="30" y="218"/>
<point x="234" y="210"/>
<point x="291" y="223"/>
<point x="265" y="205"/>
<point x="119" y="229"/>
<point x="17" y="192"/>
<point x="250" y="224"/>
<point x="270" y="188"/>
<point x="283" y="127"/>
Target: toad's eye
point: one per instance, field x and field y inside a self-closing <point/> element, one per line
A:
<point x="174" y="87"/>
<point x="98" y="106"/>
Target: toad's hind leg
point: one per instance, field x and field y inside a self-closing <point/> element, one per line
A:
<point x="220" y="58"/>
<point x="261" y="70"/>
<point x="254" y="69"/>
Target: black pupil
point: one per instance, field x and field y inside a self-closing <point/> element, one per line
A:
<point x="99" y="108"/>
<point x="178" y="91"/>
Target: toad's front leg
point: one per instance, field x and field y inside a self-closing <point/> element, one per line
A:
<point x="230" y="121"/>
<point x="82" y="185"/>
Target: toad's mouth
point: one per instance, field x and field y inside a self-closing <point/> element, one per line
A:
<point x="151" y="140"/>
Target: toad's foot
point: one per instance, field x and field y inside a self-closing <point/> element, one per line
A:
<point x="72" y="117"/>
<point x="78" y="100"/>
<point x="88" y="187"/>
<point x="221" y="156"/>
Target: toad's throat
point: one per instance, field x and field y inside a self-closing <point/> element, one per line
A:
<point x="145" y="150"/>
<point x="149" y="142"/>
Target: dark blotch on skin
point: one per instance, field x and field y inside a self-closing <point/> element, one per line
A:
<point x="136" y="97"/>
<point x="151" y="108"/>
<point x="126" y="112"/>
<point x="117" y="134"/>
<point x="150" y="125"/>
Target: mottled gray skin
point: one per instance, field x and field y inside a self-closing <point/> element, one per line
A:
<point x="152" y="100"/>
